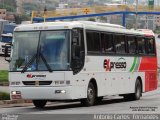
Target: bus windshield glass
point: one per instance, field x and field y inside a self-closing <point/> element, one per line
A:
<point x="40" y="51"/>
<point x="6" y="39"/>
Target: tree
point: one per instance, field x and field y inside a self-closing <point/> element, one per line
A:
<point x="9" y="5"/>
<point x="92" y="19"/>
<point x="20" y="18"/>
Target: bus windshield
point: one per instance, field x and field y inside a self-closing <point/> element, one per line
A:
<point x="40" y="50"/>
<point x="6" y="39"/>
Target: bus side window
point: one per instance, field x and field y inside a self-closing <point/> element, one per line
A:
<point x="120" y="43"/>
<point x="107" y="43"/>
<point x="78" y="39"/>
<point x="141" y="45"/>
<point x="93" y="41"/>
<point x="151" y="47"/>
<point x="78" y="50"/>
<point x="82" y="40"/>
<point x="131" y="44"/>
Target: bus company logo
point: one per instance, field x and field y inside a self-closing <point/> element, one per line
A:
<point x="107" y="64"/>
<point x="37" y="76"/>
<point x="120" y="64"/>
<point x="29" y="76"/>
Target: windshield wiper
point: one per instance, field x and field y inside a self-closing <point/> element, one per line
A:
<point x="29" y="63"/>
<point x="32" y="60"/>
<point x="45" y="62"/>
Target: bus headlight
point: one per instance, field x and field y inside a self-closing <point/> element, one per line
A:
<point x="16" y="95"/>
<point x="13" y="92"/>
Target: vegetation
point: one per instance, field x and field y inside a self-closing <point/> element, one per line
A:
<point x="92" y="19"/>
<point x="20" y="18"/>
<point x="9" y="5"/>
<point x="29" y="6"/>
<point x="3" y="76"/>
<point x="4" y="96"/>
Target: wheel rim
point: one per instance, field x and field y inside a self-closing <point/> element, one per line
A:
<point x="90" y="94"/>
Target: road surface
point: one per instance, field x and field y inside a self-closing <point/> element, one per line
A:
<point x="4" y="89"/>
<point x="3" y="64"/>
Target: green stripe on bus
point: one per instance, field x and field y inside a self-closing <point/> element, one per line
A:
<point x="134" y="64"/>
<point x="137" y="64"/>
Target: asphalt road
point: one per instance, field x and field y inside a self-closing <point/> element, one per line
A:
<point x="4" y="89"/>
<point x="3" y="64"/>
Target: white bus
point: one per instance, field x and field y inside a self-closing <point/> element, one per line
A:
<point x="80" y="60"/>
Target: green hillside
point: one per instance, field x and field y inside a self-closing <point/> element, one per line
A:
<point x="10" y="5"/>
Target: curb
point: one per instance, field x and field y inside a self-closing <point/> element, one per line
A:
<point x="6" y="102"/>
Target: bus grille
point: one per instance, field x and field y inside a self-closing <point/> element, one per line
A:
<point x="35" y="82"/>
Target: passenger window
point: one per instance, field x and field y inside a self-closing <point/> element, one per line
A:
<point x="120" y="43"/>
<point x="93" y="41"/>
<point x="141" y="45"/>
<point x="81" y="40"/>
<point x="150" y="46"/>
<point x="107" y="43"/>
<point x="131" y="44"/>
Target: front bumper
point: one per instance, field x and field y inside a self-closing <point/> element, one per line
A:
<point x="50" y="93"/>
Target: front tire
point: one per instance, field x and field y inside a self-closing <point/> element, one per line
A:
<point x="91" y="95"/>
<point x="39" y="103"/>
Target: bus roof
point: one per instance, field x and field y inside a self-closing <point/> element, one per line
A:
<point x="89" y="25"/>
<point x="7" y="35"/>
<point x="147" y="32"/>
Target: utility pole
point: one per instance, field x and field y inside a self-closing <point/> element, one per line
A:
<point x="136" y="14"/>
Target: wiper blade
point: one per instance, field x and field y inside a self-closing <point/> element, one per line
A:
<point x="29" y="63"/>
<point x="32" y="60"/>
<point x="45" y="62"/>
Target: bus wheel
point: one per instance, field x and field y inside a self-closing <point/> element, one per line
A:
<point x="91" y="95"/>
<point x="39" y="103"/>
<point x="138" y="91"/>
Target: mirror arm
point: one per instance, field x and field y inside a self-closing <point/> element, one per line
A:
<point x="7" y="60"/>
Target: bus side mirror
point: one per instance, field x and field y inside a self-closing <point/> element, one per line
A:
<point x="7" y="52"/>
<point x="76" y="52"/>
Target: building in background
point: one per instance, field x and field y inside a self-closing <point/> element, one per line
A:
<point x="157" y="2"/>
<point x="157" y="20"/>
